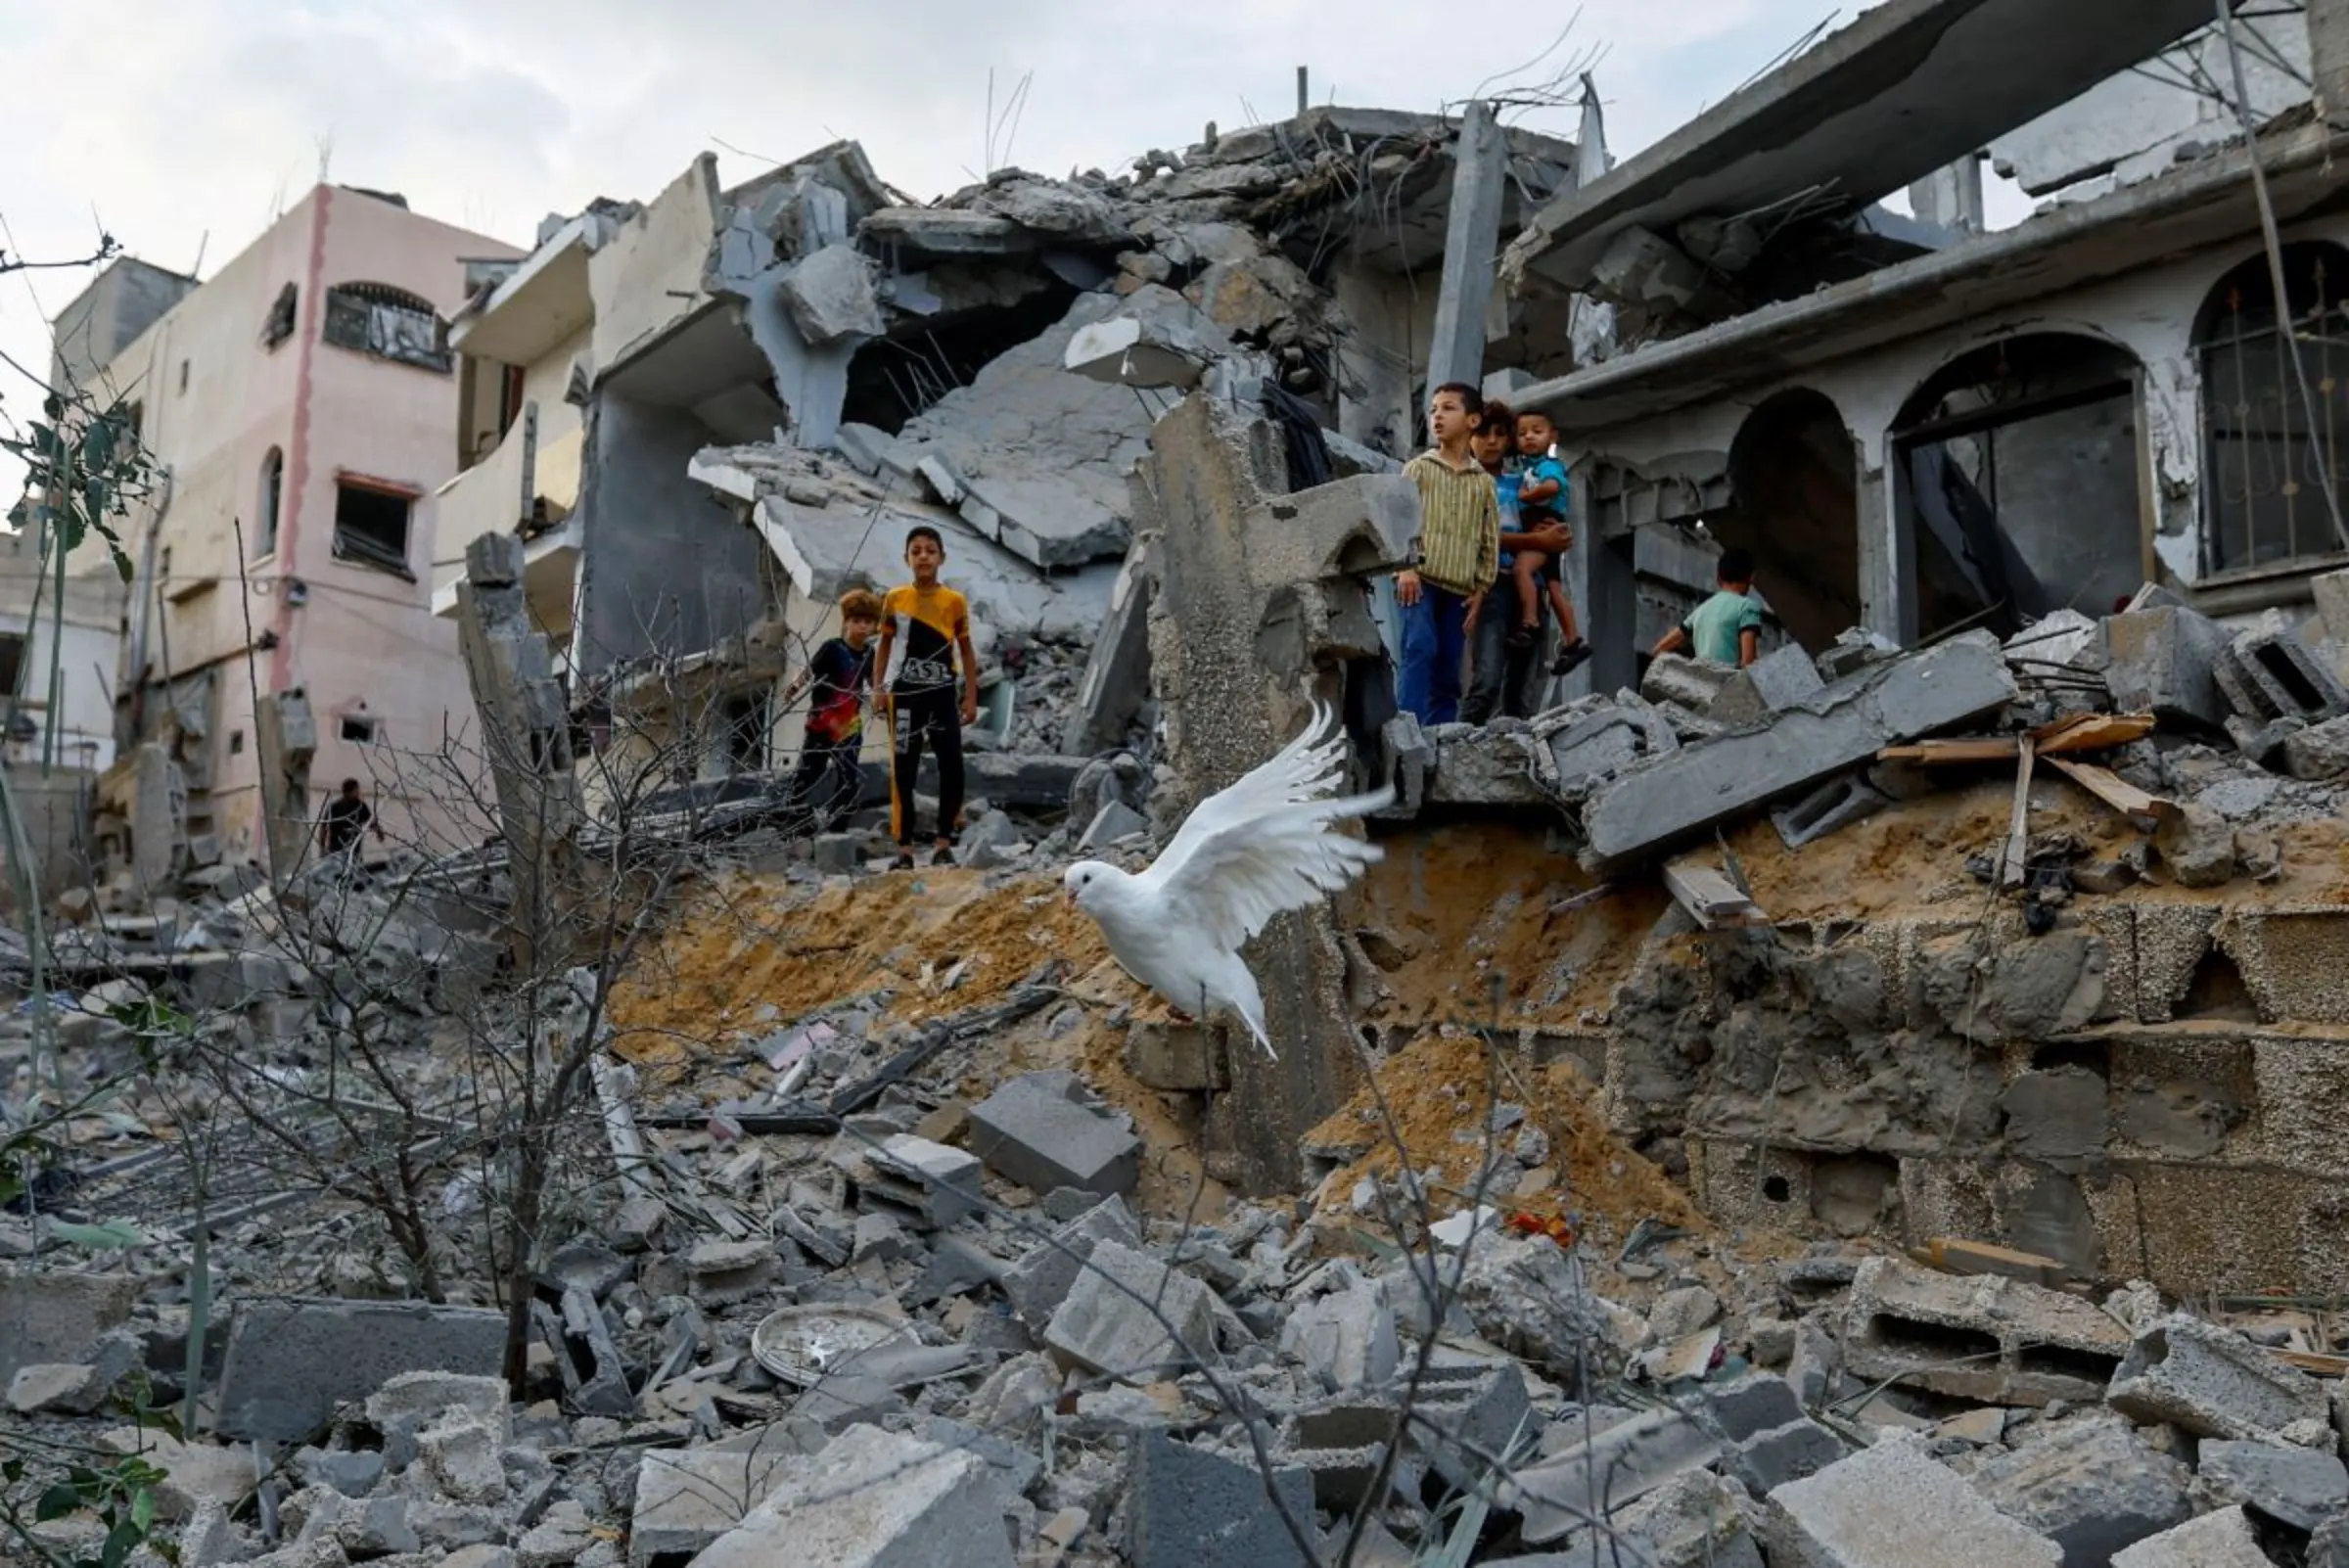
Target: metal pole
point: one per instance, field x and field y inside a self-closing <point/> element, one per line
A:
<point x="1302" y="92"/>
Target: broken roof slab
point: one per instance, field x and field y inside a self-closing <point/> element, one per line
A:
<point x="543" y="304"/>
<point x="2199" y="205"/>
<point x="1910" y="87"/>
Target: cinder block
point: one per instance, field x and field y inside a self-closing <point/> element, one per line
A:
<point x="1895" y="1507"/>
<point x="1981" y="1337"/>
<point x="1133" y="1317"/>
<point x="1832" y="807"/>
<point x="1033" y="1131"/>
<point x="1194" y="1509"/>
<point x="1039" y="1282"/>
<point x="2162" y="662"/>
<point x="1771" y="684"/>
<point x="291" y="1362"/>
<point x="2212" y="1382"/>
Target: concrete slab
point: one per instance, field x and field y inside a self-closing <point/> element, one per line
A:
<point x="687" y="1499"/>
<point x="50" y="1317"/>
<point x="1895" y="1507"/>
<point x="873" y="1500"/>
<point x="2222" y="1540"/>
<point x="292" y="1362"/>
<point x="2094" y="1488"/>
<point x="1652" y="807"/>
<point x="1617" y="1467"/>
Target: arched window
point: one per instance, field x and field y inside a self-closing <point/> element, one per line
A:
<point x="272" y="499"/>
<point x="376" y="318"/>
<point x="2269" y="452"/>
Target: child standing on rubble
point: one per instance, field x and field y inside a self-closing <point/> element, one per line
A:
<point x="1726" y="629"/>
<point x="840" y="671"/>
<point x="1453" y="560"/>
<point x="925" y="638"/>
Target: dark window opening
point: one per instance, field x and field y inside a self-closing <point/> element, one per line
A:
<point x="371" y="528"/>
<point x="273" y="488"/>
<point x="890" y="382"/>
<point x="12" y="663"/>
<point x="279" y="325"/>
<point x="235" y="742"/>
<point x="748" y="720"/>
<point x="374" y="318"/>
<point x="2018" y="468"/>
<point x="2269" y="457"/>
<point x="360" y="732"/>
<point x="183" y="376"/>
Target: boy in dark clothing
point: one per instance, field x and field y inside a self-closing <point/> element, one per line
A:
<point x="347" y="818"/>
<point x="925" y="637"/>
<point x="840" y="671"/>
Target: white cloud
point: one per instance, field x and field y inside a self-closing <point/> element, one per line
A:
<point x="192" y="124"/>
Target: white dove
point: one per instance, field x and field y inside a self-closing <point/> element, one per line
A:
<point x="1257" y="849"/>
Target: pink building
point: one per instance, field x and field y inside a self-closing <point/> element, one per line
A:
<point x="300" y="404"/>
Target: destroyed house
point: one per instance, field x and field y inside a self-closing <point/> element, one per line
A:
<point x="1919" y="424"/>
<point x="711" y="414"/>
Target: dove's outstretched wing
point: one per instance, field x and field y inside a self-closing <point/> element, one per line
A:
<point x="1264" y="846"/>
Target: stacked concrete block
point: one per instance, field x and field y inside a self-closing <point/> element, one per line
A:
<point x="1896" y="1507"/>
<point x="2001" y="1340"/>
<point x="2214" y="1383"/>
<point x="939" y="1184"/>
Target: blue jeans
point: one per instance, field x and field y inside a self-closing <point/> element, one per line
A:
<point x="1435" y="641"/>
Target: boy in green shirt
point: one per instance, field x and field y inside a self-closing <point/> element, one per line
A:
<point x="1726" y="629"/>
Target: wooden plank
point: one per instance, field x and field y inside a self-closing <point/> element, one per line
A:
<point x="2312" y="1361"/>
<point x="2018" y="825"/>
<point x="1712" y="898"/>
<point x="2081" y="732"/>
<point x="1955" y="1255"/>
<point x="2115" y="791"/>
<point x="2091" y="732"/>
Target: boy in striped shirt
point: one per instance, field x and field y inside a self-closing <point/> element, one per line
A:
<point x="1453" y="561"/>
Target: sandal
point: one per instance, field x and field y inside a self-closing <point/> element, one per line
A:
<point x="1571" y="658"/>
<point x="943" y="856"/>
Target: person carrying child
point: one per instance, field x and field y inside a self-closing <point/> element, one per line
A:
<point x="839" y="673"/>
<point x="925" y="641"/>
<point x="1542" y="504"/>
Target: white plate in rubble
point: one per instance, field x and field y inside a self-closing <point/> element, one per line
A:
<point x="804" y="1345"/>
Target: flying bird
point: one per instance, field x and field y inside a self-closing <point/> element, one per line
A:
<point x="1262" y="847"/>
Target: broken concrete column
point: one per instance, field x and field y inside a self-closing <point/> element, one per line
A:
<point x="526" y="730"/>
<point x="1117" y="672"/>
<point x="286" y="738"/>
<point x="1480" y="174"/>
<point x="1259" y="608"/>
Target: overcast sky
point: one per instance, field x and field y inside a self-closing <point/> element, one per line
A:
<point x="186" y="127"/>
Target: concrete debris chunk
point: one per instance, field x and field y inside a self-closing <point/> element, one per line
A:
<point x="1133" y="1317"/>
<point x="2094" y="1487"/>
<point x="873" y="1500"/>
<point x="1978" y="1337"/>
<point x="194" y="1473"/>
<point x="2213" y="1382"/>
<point x="1130" y="351"/>
<point x="1040" y="1282"/>
<point x="1345" y="1339"/>
<point x="51" y="1319"/>
<point x="2163" y="662"/>
<point x="1035" y="1131"/>
<point x="1653" y="806"/>
<point x="424" y="1397"/>
<point x="1617" y="1467"/>
<point x="947" y="1177"/>
<point x="1194" y="1509"/>
<point x="291" y="1362"/>
<point x="688" y="1497"/>
<point x="1769" y="686"/>
<point x="2296" y="1486"/>
<point x="1895" y="1507"/>
<point x="2222" y="1540"/>
<point x="831" y="296"/>
<point x="68" y="1389"/>
<point x="2318" y="753"/>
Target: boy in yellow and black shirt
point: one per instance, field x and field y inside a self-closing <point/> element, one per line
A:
<point x="925" y="634"/>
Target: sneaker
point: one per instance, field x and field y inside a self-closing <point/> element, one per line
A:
<point x="1521" y="636"/>
<point x="903" y="861"/>
<point x="1571" y="658"/>
<point x="943" y="856"/>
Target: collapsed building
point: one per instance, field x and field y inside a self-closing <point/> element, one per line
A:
<point x="1878" y="1107"/>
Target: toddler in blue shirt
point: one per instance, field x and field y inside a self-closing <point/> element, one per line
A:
<point x="1541" y="503"/>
